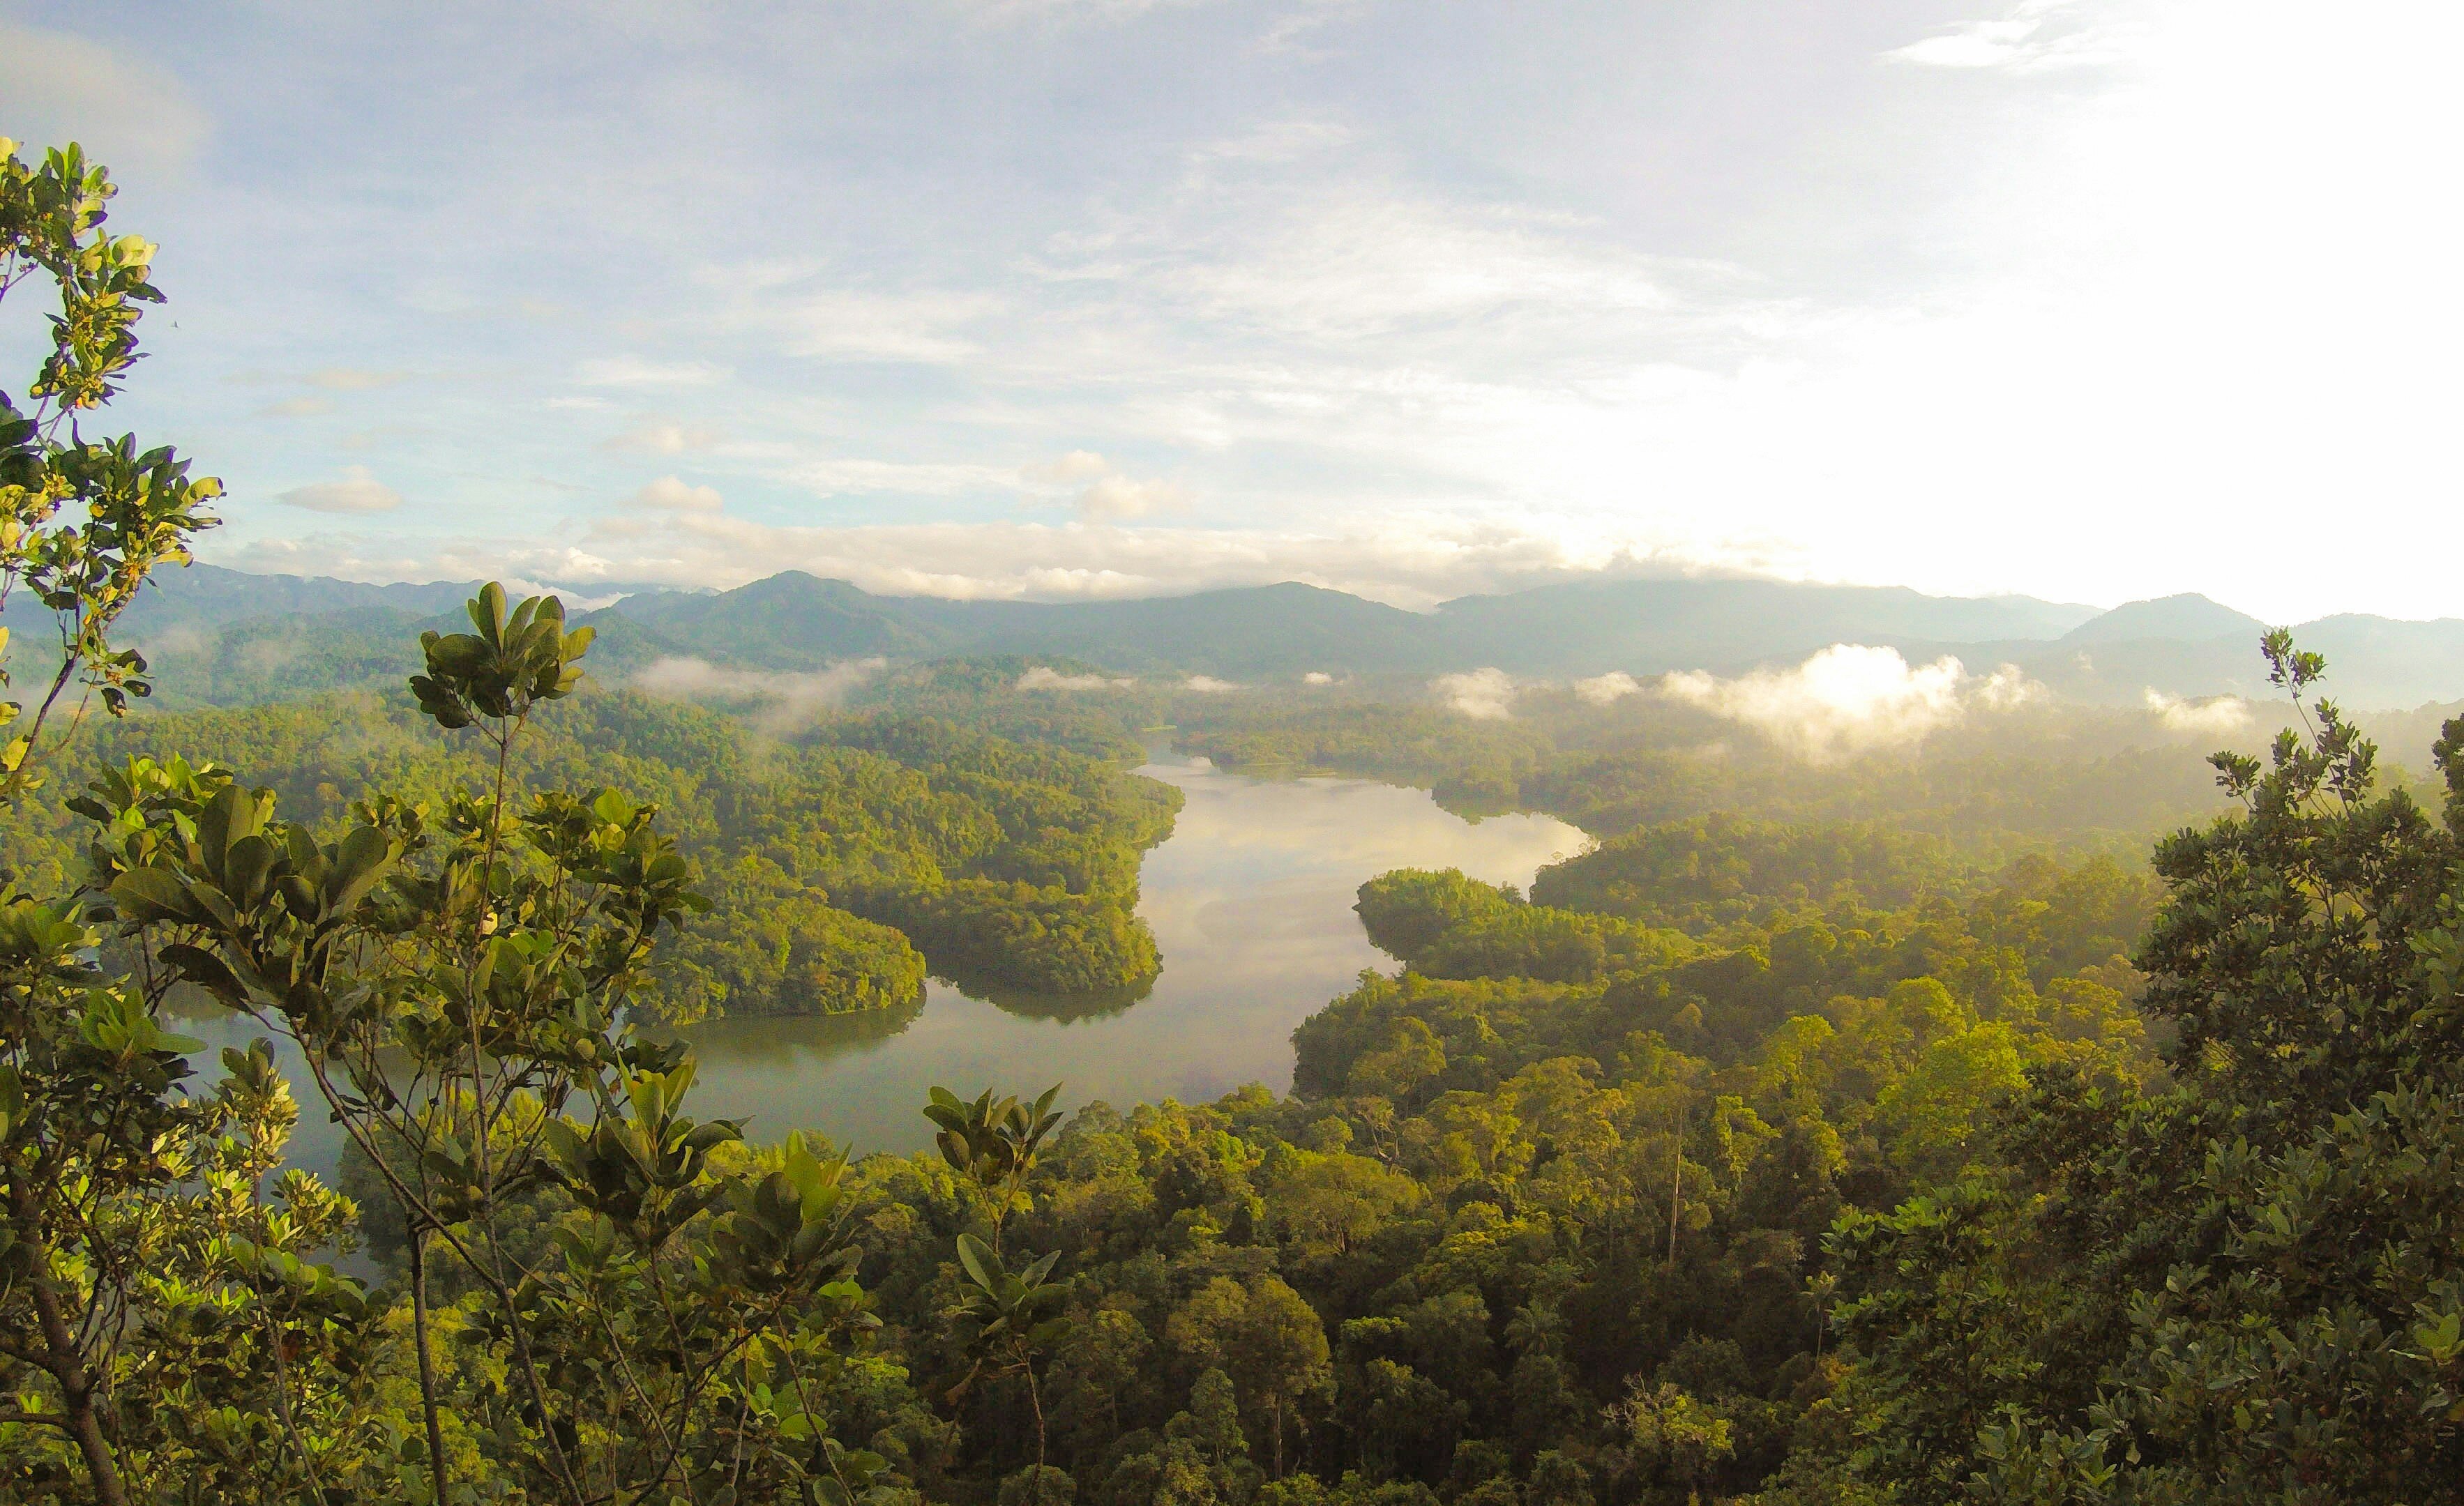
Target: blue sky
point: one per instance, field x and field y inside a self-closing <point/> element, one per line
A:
<point x="2091" y="300"/>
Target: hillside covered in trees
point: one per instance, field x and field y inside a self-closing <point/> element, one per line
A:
<point x="838" y="866"/>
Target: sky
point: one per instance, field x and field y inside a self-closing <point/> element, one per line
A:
<point x="2087" y="299"/>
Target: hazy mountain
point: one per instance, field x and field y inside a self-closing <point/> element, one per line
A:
<point x="226" y="636"/>
<point x="796" y="621"/>
<point x="1277" y="630"/>
<point x="1652" y="626"/>
<point x="2189" y="618"/>
<point x="790" y="621"/>
<point x="1642" y="627"/>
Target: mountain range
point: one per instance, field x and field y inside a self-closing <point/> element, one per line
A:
<point x="2180" y="645"/>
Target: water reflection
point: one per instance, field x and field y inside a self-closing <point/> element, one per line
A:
<point x="1251" y="900"/>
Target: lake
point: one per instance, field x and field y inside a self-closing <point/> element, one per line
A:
<point x="1250" y="898"/>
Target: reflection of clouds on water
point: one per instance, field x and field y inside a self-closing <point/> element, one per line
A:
<point x="1251" y="900"/>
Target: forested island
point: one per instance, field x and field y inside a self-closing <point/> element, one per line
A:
<point x="2053" y="1112"/>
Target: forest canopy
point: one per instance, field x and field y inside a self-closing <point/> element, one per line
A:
<point x="840" y="865"/>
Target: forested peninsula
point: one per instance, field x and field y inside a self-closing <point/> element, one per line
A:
<point x="841" y="863"/>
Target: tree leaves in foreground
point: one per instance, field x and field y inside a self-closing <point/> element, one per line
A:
<point x="2246" y="1286"/>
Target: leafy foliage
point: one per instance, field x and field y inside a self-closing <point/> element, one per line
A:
<point x="2238" y="1285"/>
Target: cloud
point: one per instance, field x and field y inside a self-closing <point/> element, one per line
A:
<point x="1065" y="12"/>
<point x="1112" y="495"/>
<point x="1403" y="558"/>
<point x="1607" y="689"/>
<point x="830" y="478"/>
<point x="652" y="434"/>
<point x="2215" y="716"/>
<point x="634" y="371"/>
<point x="357" y="491"/>
<point x="2032" y="39"/>
<point x="1851" y="699"/>
<point x="671" y="494"/>
<point x="789" y="700"/>
<point x="920" y="328"/>
<point x="1079" y="464"/>
<point x="1120" y="497"/>
<point x="296" y="408"/>
<point x="352" y="379"/>
<point x="183" y="639"/>
<point x="1482" y="694"/>
<point x="1043" y="677"/>
<point x="134" y="117"/>
<point x="1317" y="677"/>
<point x="1207" y="685"/>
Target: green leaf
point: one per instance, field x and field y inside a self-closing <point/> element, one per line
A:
<point x="208" y="971"/>
<point x="979" y="1261"/>
<point x="149" y="894"/>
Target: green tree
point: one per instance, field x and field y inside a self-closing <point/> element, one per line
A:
<point x="459" y="984"/>
<point x="1006" y="1322"/>
<point x="2241" y="1287"/>
<point x="993" y="1144"/>
<point x="137" y="1253"/>
<point x="1264" y="1336"/>
<point x="83" y="523"/>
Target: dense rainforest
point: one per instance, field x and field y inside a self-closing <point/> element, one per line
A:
<point x="839" y="864"/>
<point x="1908" y="1139"/>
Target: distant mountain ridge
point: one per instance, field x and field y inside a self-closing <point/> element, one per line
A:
<point x="2187" y="618"/>
<point x="794" y="621"/>
<point x="2175" y="646"/>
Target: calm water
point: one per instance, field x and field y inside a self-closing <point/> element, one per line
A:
<point x="1251" y="900"/>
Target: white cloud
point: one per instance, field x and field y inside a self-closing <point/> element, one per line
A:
<point x="1207" y="685"/>
<point x="357" y="492"/>
<point x="2008" y="689"/>
<point x="1120" y="497"/>
<point x="789" y="700"/>
<point x="1317" y="677"/>
<point x="1113" y="495"/>
<point x="1607" y="689"/>
<point x="1067" y="12"/>
<point x="2215" y="716"/>
<point x="185" y="639"/>
<point x="671" y="493"/>
<point x="1850" y="699"/>
<point x="634" y="371"/>
<point x="1079" y="464"/>
<point x="296" y="408"/>
<point x="352" y="379"/>
<point x="1043" y="677"/>
<point x="926" y="328"/>
<point x="652" y="434"/>
<point x="136" y="119"/>
<point x="1404" y="559"/>
<point x="1482" y="694"/>
<point x="830" y="478"/>
<point x="2036" y="35"/>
